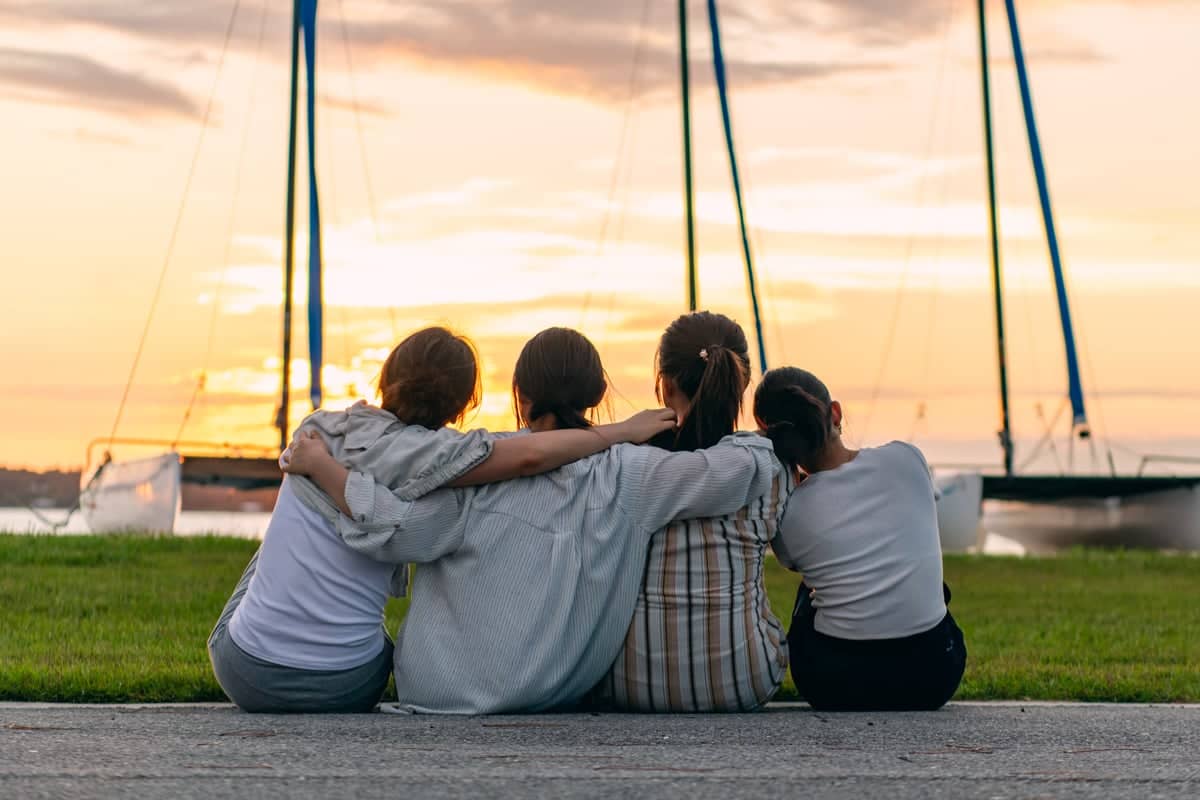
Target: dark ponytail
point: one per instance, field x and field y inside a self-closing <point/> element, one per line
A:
<point x="705" y="356"/>
<point x="559" y="373"/>
<point x="796" y="411"/>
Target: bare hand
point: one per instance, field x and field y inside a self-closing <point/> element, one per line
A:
<point x="307" y="452"/>
<point x="645" y="425"/>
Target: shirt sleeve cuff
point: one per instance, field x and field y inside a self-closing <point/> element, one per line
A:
<point x="360" y="496"/>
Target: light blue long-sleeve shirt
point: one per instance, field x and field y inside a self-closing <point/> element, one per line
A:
<point x="524" y="590"/>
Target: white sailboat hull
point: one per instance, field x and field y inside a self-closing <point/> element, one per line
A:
<point x="959" y="510"/>
<point x="1166" y="520"/>
<point x="140" y="495"/>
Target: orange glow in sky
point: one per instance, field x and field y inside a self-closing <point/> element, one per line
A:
<point x="509" y="180"/>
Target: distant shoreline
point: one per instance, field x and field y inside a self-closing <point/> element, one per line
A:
<point x="21" y="488"/>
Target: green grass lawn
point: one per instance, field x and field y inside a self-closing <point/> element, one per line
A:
<point x="114" y="618"/>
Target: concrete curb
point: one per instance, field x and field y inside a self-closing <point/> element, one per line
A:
<point x="779" y="706"/>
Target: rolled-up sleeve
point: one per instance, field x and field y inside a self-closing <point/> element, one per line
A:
<point x="714" y="482"/>
<point x="386" y="528"/>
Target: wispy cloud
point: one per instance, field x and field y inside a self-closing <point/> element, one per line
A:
<point x="577" y="47"/>
<point x="570" y="46"/>
<point x="89" y="136"/>
<point x="586" y="48"/>
<point x="367" y="108"/>
<point x="67" y="78"/>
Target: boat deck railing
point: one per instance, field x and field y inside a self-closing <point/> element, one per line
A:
<point x="206" y="448"/>
<point x="1147" y="460"/>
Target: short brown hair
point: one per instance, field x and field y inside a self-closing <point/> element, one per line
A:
<point x="431" y="379"/>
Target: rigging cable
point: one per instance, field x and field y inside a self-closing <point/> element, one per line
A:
<point x="756" y="237"/>
<point x="932" y="312"/>
<point x="187" y="186"/>
<point x="893" y="324"/>
<point x="202" y="379"/>
<point x="623" y="174"/>
<point x="1047" y="438"/>
<point x="58" y="525"/>
<point x="362" y="150"/>
<point x="622" y="146"/>
<point x="335" y="218"/>
<point x="622" y="218"/>
<point x="1099" y="405"/>
<point x="719" y="73"/>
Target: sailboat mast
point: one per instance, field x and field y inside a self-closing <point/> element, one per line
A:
<point x="1075" y="386"/>
<point x="688" y="190"/>
<point x="714" y="25"/>
<point x="289" y="236"/>
<point x="1006" y="442"/>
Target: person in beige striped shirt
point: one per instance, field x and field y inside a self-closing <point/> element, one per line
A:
<point x="703" y="637"/>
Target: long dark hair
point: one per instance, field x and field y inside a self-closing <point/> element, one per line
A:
<point x="431" y="378"/>
<point x="705" y="356"/>
<point x="559" y="373"/>
<point x="796" y="411"/>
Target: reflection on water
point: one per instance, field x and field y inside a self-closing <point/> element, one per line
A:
<point x="997" y="545"/>
<point x="251" y="525"/>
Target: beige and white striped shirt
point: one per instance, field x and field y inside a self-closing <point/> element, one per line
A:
<point x="703" y="637"/>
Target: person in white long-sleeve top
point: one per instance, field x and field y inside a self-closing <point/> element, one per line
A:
<point x="870" y="629"/>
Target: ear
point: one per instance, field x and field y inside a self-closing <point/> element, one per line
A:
<point x="835" y="414"/>
<point x="524" y="405"/>
<point x="670" y="392"/>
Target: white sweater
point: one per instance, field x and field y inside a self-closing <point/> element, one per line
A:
<point x="865" y="537"/>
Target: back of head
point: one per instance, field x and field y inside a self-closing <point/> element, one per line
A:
<point x="795" y="410"/>
<point x="431" y="379"/>
<point x="558" y="373"/>
<point x="705" y="356"/>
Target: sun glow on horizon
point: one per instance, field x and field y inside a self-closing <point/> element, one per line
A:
<point x="500" y="197"/>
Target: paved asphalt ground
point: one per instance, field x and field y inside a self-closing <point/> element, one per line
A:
<point x="964" y="751"/>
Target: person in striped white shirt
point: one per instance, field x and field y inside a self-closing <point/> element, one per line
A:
<point x="524" y="590"/>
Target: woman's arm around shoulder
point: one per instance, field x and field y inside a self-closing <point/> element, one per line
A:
<point x="519" y="456"/>
<point x="373" y="520"/>
<point x="665" y="486"/>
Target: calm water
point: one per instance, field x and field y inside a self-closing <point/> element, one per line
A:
<point x="252" y="525"/>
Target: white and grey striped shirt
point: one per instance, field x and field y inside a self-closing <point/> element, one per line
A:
<point x="525" y="589"/>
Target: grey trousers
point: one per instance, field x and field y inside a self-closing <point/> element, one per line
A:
<point x="259" y="686"/>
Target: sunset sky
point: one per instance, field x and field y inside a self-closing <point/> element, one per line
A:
<point x="508" y="169"/>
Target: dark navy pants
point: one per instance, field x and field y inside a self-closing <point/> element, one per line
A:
<point x="915" y="673"/>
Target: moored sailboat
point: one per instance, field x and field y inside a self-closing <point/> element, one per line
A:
<point x="1043" y="512"/>
<point x="145" y="493"/>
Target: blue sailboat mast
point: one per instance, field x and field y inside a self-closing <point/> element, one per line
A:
<point x="1075" y="386"/>
<point x="289" y="228"/>
<point x="723" y="94"/>
<point x="308" y="24"/>
<point x="304" y="26"/>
